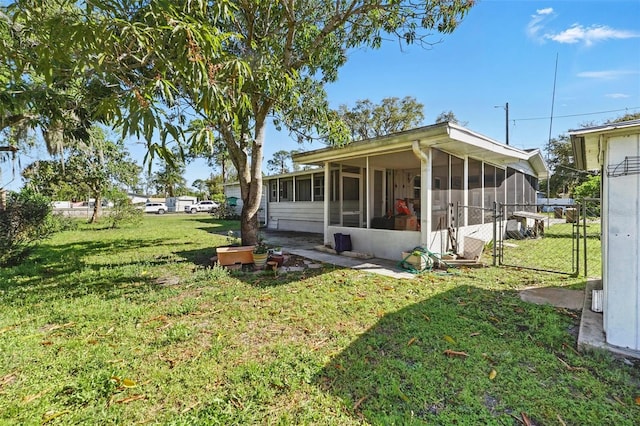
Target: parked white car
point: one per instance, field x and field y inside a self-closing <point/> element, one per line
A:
<point x="201" y="206"/>
<point x="157" y="208"/>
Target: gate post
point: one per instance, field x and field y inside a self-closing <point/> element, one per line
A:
<point x="495" y="231"/>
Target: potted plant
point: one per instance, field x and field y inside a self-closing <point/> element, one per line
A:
<point x="260" y="254"/>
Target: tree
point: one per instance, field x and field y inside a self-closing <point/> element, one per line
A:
<point x="590" y="188"/>
<point x="235" y="65"/>
<point x="564" y="174"/>
<point x="449" y="116"/>
<point x="367" y="120"/>
<point x="86" y="170"/>
<point x="169" y="181"/>
<point x="280" y="163"/>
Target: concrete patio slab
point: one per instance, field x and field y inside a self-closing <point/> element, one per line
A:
<point x="558" y="297"/>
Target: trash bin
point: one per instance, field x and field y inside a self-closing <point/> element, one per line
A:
<point x="571" y="215"/>
<point x="342" y="242"/>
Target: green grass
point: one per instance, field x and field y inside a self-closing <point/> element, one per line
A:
<point x="127" y="326"/>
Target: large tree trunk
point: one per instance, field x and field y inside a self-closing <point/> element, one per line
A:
<point x="250" y="178"/>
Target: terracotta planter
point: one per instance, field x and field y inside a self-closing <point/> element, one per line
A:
<point x="235" y="255"/>
<point x="259" y="259"/>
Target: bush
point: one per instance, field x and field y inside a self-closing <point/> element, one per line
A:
<point x="26" y="220"/>
<point x="225" y="212"/>
<point x="123" y="212"/>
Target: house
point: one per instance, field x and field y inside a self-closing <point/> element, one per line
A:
<point x="357" y="189"/>
<point x="614" y="149"/>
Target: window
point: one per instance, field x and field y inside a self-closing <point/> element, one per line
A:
<point x="303" y="189"/>
<point x="318" y="187"/>
<point x="286" y="189"/>
<point x="274" y="190"/>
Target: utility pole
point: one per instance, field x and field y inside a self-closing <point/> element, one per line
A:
<point x="506" y="121"/>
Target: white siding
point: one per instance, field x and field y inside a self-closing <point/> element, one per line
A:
<point x="621" y="245"/>
<point x="302" y="216"/>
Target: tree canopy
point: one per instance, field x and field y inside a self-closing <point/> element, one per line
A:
<point x="367" y="120"/>
<point x="154" y="66"/>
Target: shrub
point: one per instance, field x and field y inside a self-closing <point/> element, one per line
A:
<point x="123" y="212"/>
<point x="26" y="220"/>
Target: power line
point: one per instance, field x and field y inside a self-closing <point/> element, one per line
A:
<point x="575" y="115"/>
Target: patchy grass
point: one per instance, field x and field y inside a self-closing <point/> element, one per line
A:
<point x="127" y="326"/>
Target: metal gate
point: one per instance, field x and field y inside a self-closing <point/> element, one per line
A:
<point x="540" y="237"/>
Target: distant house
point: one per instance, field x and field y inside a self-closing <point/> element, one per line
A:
<point x="356" y="188"/>
<point x="614" y="149"/>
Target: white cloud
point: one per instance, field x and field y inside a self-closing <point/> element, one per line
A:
<point x="576" y="33"/>
<point x="589" y="35"/>
<point x="536" y="24"/>
<point x="546" y="11"/>
<point x="617" y="95"/>
<point x="606" y="74"/>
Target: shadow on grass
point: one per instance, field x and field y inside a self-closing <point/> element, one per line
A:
<point x="53" y="270"/>
<point x="398" y="372"/>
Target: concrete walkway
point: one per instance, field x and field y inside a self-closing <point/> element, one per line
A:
<point x="303" y="243"/>
<point x="591" y="334"/>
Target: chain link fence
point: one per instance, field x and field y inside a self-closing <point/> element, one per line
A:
<point x="591" y="237"/>
<point x="540" y="237"/>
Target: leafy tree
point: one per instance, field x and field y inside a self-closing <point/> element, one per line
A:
<point x="367" y="120"/>
<point x="169" y="181"/>
<point x="235" y="65"/>
<point x="280" y="162"/>
<point x="564" y="174"/>
<point x="24" y="222"/>
<point x="86" y="171"/>
<point x="449" y="116"/>
<point x="590" y="188"/>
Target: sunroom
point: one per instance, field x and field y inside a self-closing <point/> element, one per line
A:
<point x="408" y="189"/>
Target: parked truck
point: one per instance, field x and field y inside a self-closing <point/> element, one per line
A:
<point x="201" y="206"/>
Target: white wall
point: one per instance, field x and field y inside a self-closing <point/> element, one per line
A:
<point x="621" y="246"/>
<point x="301" y="216"/>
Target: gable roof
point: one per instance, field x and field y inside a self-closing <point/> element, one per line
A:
<point x="586" y="142"/>
<point x="448" y="137"/>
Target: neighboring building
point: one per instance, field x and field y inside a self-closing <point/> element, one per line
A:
<point x="614" y="149"/>
<point x="177" y="204"/>
<point x="429" y="168"/>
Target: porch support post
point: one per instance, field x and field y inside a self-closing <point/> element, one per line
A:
<point x="425" y="192"/>
<point x="465" y="192"/>
<point x="368" y="192"/>
<point x="327" y="194"/>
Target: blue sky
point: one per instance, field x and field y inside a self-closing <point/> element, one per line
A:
<point x="503" y="51"/>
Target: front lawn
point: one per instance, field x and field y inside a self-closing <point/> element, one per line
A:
<point x="128" y="326"/>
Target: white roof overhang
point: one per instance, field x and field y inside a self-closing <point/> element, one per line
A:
<point x="587" y="142"/>
<point x="451" y="138"/>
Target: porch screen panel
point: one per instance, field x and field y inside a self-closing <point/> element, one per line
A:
<point x="501" y="189"/>
<point x="489" y="191"/>
<point x="378" y="194"/>
<point x="475" y="192"/>
<point x="530" y="187"/>
<point x="439" y="189"/>
<point x="303" y="189"/>
<point x="334" y="201"/>
<point x="351" y="201"/>
<point x="457" y="187"/>
<point x="519" y="190"/>
<point x="511" y="191"/>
